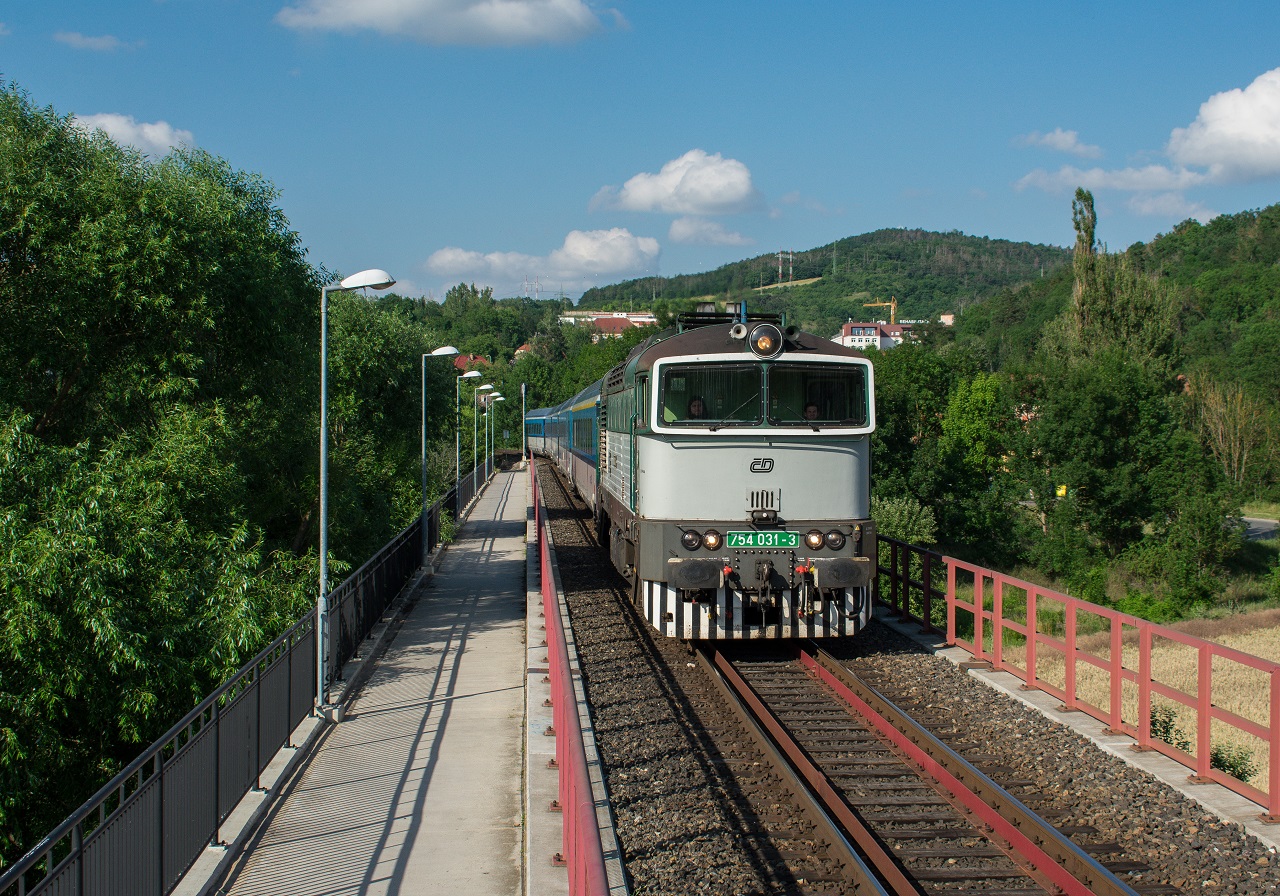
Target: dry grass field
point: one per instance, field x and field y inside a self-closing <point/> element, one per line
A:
<point x="1236" y="688"/>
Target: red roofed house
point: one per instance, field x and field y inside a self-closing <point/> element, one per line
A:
<point x="470" y="362"/>
<point x="609" y="327"/>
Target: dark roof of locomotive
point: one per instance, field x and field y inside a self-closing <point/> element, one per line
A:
<point x="715" y="340"/>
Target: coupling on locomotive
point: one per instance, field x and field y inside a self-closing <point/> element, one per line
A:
<point x="728" y="463"/>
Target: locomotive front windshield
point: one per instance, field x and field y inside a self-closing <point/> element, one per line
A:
<point x="712" y="394"/>
<point x="817" y="394"/>
<point x="734" y="395"/>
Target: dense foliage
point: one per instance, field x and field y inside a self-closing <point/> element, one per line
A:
<point x="1104" y="425"/>
<point x="158" y="431"/>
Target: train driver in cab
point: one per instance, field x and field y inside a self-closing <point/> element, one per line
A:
<point x="697" y="410"/>
<point x="811" y="411"/>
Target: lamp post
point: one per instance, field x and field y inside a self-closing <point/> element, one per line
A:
<point x="493" y="434"/>
<point x="475" y="433"/>
<point x="457" y="437"/>
<point x="371" y="279"/>
<point x="441" y="352"/>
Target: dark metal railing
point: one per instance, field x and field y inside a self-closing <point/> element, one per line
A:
<point x="145" y="828"/>
<point x="908" y="583"/>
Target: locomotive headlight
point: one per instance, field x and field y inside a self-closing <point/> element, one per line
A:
<point x="835" y="539"/>
<point x="813" y="540"/>
<point x="691" y="540"/>
<point x="766" y="341"/>
<point x="711" y="540"/>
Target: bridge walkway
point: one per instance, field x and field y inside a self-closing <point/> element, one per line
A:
<point x="419" y="788"/>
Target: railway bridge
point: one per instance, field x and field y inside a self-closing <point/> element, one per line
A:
<point x="453" y="750"/>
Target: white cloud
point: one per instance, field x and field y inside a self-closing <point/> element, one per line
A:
<point x="1170" y="205"/>
<point x="703" y="232"/>
<point x="1149" y="178"/>
<point x="1237" y="133"/>
<point x="1062" y="141"/>
<point x="154" y="138"/>
<point x="468" y="22"/>
<point x="1235" y="138"/>
<point x="694" y="184"/>
<point x="584" y="257"/>
<point x="104" y="43"/>
<point x="5" y="31"/>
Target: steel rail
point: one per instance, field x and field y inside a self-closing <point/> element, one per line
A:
<point x="1069" y="867"/>
<point x="871" y="864"/>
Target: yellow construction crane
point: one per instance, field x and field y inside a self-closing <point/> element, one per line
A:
<point x="892" y="305"/>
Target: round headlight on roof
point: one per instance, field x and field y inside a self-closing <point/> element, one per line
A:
<point x="765" y="341"/>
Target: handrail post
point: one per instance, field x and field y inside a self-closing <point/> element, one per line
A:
<point x="1069" y="681"/>
<point x="1033" y="631"/>
<point x="1204" y="713"/>
<point x="979" y="607"/>
<point x="1144" y="685"/>
<point x="1273" y="759"/>
<point x="951" y="601"/>
<point x="997" y="620"/>
<point x="1117" y="675"/>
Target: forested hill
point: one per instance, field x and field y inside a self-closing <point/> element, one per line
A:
<point x="926" y="272"/>
<point x="1224" y="277"/>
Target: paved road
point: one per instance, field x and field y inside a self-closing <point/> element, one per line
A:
<point x="1259" y="529"/>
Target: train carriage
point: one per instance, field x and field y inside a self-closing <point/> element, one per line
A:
<point x="729" y="475"/>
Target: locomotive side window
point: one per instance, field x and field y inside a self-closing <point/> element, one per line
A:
<point x="712" y="394"/>
<point x="815" y="394"/>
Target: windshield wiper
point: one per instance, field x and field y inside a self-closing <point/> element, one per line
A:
<point x="799" y="418"/>
<point x="729" y="415"/>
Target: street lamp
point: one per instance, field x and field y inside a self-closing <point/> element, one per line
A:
<point x="457" y="436"/>
<point x="493" y="432"/>
<point x="475" y="433"/>
<point x="370" y="279"/>
<point x="441" y="352"/>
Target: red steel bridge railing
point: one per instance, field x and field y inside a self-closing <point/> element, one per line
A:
<point x="582" y="853"/>
<point x="1135" y="676"/>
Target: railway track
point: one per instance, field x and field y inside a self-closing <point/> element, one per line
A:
<point x="702" y="808"/>
<point x="924" y="818"/>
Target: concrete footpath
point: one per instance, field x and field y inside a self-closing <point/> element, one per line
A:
<point x="419" y="789"/>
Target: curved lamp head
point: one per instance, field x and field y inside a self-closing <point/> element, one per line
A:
<point x="485" y="388"/>
<point x="444" y="350"/>
<point x="498" y="398"/>
<point x="372" y="279"/>
<point x="469" y="375"/>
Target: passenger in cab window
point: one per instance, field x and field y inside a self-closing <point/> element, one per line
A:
<point x="696" y="409"/>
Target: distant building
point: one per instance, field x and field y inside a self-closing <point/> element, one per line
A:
<point x="872" y="335"/>
<point x="470" y="362"/>
<point x="522" y="351"/>
<point x="948" y="319"/>
<point x="638" y="318"/>
<point x="610" y="327"/>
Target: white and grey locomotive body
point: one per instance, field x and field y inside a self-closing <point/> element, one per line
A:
<point x="732" y="467"/>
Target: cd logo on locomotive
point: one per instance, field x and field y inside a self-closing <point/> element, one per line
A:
<point x="762" y="465"/>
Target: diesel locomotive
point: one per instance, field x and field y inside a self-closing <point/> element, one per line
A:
<point x="727" y="461"/>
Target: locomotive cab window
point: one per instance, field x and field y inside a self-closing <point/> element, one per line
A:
<point x="817" y="394"/>
<point x="711" y="395"/>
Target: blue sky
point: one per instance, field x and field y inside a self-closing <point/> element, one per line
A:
<point x="574" y="144"/>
